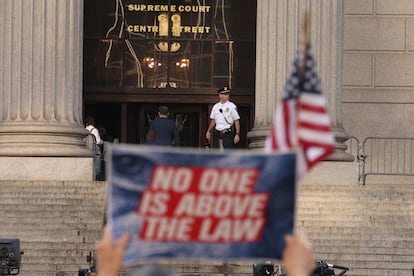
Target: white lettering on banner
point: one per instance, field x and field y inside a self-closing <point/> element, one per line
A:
<point x="170" y="178"/>
<point x="162" y="228"/>
<point x="231" y="230"/>
<point x="202" y="204"/>
<point x="228" y="181"/>
<point x="154" y="203"/>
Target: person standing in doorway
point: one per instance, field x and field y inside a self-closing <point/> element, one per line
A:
<point x="166" y="132"/>
<point x="225" y="121"/>
<point x="90" y="126"/>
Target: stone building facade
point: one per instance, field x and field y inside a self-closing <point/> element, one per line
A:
<point x="364" y="50"/>
<point x="378" y="71"/>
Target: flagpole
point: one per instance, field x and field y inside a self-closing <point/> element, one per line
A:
<point x="304" y="42"/>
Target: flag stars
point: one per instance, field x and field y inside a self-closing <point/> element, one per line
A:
<point x="294" y="80"/>
<point x="307" y="86"/>
<point x="309" y="75"/>
<point x="314" y="81"/>
<point x="309" y="63"/>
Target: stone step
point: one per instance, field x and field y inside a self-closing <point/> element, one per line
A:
<point x="357" y="220"/>
<point x="85" y="191"/>
<point x="365" y="250"/>
<point x="366" y="199"/>
<point x="379" y="218"/>
<point x="358" y="196"/>
<point x="354" y="215"/>
<point x="373" y="244"/>
<point x="395" y="187"/>
<point x="68" y="235"/>
<point x="41" y="269"/>
<point x="349" y="211"/>
<point x="50" y="225"/>
<point x="360" y="203"/>
<point x="85" y="206"/>
<point x="358" y="208"/>
<point x="364" y="236"/>
<point x="334" y="230"/>
<point x="39" y="184"/>
<point x="44" y="201"/>
<point x="357" y="257"/>
<point x="53" y="259"/>
<point x="94" y="219"/>
<point x="376" y="272"/>
<point x="61" y="245"/>
<point x="57" y="252"/>
<point x="19" y="195"/>
<point x="58" y="215"/>
<point x="354" y="191"/>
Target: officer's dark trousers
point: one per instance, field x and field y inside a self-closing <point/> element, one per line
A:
<point x="228" y="140"/>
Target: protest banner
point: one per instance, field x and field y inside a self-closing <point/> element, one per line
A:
<point x="200" y="204"/>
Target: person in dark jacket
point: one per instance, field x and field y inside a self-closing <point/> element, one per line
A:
<point x="167" y="133"/>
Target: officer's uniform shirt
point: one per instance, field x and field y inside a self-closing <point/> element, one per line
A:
<point x="93" y="130"/>
<point x="225" y="119"/>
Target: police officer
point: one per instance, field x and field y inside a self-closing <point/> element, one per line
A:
<point x="225" y="120"/>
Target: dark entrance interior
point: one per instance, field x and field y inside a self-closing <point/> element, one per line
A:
<point x="129" y="122"/>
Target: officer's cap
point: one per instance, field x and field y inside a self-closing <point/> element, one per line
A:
<point x="224" y="90"/>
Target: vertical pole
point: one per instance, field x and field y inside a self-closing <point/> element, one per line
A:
<point x="221" y="147"/>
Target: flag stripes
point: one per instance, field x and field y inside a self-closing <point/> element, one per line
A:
<point x="301" y="122"/>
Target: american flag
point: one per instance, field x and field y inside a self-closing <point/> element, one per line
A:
<point x="301" y="122"/>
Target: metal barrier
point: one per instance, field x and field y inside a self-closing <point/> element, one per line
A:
<point x="354" y="148"/>
<point x="385" y="156"/>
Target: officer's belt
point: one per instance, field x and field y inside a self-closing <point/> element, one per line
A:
<point x="223" y="131"/>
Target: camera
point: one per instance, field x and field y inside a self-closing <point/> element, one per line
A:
<point x="91" y="271"/>
<point x="263" y="269"/>
<point x="10" y="256"/>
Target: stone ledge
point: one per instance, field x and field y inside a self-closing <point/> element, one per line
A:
<point x="46" y="168"/>
<point x="332" y="173"/>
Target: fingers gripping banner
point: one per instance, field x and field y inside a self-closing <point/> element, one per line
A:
<point x="199" y="204"/>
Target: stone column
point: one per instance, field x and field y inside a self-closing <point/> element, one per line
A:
<point x="279" y="27"/>
<point x="41" y="90"/>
